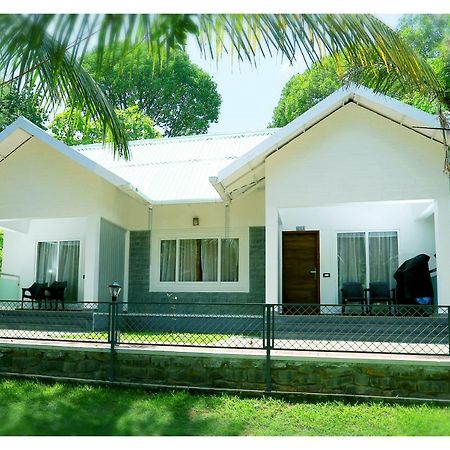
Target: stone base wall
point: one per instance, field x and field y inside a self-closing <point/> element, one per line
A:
<point x="410" y="379"/>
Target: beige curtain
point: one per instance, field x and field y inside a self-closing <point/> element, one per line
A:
<point x="351" y="258"/>
<point x="69" y="260"/>
<point x="47" y="262"/>
<point x="168" y="260"/>
<point x="229" y="269"/>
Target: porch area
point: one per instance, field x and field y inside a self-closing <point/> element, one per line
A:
<point x="356" y="254"/>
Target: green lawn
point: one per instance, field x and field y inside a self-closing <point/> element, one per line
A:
<point x="155" y="337"/>
<point x="32" y="408"/>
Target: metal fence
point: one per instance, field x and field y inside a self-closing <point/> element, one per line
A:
<point x="396" y="329"/>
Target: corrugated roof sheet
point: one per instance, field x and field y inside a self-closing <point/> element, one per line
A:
<point x="177" y="170"/>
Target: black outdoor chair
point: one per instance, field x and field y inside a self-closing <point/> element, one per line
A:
<point x="36" y="292"/>
<point x="55" y="293"/>
<point x="354" y="293"/>
<point x="379" y="292"/>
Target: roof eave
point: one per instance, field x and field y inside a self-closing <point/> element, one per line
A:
<point x="34" y="131"/>
<point x="358" y="94"/>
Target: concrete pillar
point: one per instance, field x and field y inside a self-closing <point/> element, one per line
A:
<point x="442" y="234"/>
<point x="272" y="255"/>
<point x="91" y="259"/>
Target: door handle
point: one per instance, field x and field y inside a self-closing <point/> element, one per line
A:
<point x="314" y="272"/>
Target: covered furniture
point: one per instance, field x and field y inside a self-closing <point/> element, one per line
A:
<point x="414" y="281"/>
<point x="36" y="292"/>
<point x="55" y="293"/>
<point x="353" y="293"/>
<point x="379" y="292"/>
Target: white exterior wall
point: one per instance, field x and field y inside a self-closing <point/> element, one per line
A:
<point x="243" y="212"/>
<point x="175" y="221"/>
<point x="37" y="181"/>
<point x="51" y="197"/>
<point x="415" y="235"/>
<point x="355" y="155"/>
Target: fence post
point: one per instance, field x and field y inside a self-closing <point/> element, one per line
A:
<point x="268" y="309"/>
<point x="112" y="337"/>
<point x="448" y="328"/>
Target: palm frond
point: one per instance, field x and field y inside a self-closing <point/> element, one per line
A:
<point x="29" y="55"/>
<point x="47" y="50"/>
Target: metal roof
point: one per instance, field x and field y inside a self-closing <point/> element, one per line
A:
<point x="176" y="170"/>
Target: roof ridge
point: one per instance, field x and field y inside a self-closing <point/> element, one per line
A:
<point x="130" y="163"/>
<point x="197" y="137"/>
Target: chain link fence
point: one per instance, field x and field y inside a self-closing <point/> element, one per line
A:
<point x="396" y="329"/>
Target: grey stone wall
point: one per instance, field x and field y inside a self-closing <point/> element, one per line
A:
<point x="138" y="290"/>
<point x="410" y="379"/>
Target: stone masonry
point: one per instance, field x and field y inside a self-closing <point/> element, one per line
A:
<point x="429" y="379"/>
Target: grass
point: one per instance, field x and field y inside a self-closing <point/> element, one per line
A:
<point x="32" y="408"/>
<point x="154" y="337"/>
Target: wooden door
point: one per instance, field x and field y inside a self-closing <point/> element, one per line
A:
<point x="301" y="267"/>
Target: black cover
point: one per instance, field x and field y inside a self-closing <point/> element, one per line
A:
<point x="413" y="280"/>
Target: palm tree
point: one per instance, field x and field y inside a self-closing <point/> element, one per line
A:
<point x="46" y="51"/>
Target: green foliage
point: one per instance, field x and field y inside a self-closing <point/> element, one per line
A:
<point x="25" y="102"/>
<point x="427" y="34"/>
<point x="30" y="408"/>
<point x="71" y="126"/>
<point x="304" y="90"/>
<point x="180" y="97"/>
<point x="46" y="50"/>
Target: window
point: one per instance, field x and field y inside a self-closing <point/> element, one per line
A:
<point x="366" y="257"/>
<point x="199" y="260"/>
<point x="59" y="261"/>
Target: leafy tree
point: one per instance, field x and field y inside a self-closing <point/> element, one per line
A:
<point x="425" y="32"/>
<point x="304" y="90"/>
<point x="24" y="102"/>
<point x="136" y="125"/>
<point x="48" y="50"/>
<point x="428" y="34"/>
<point x="180" y="97"/>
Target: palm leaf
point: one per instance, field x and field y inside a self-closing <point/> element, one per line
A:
<point x="47" y="50"/>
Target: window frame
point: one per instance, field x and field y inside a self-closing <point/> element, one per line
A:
<point x="366" y="244"/>
<point x="80" y="259"/>
<point x="156" y="285"/>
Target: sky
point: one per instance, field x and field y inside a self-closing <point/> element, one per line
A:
<point x="250" y="95"/>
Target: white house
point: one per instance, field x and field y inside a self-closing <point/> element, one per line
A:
<point x="349" y="190"/>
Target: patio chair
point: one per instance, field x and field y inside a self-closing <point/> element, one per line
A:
<point x="354" y="293"/>
<point x="36" y="292"/>
<point x="55" y="293"/>
<point x="379" y="292"/>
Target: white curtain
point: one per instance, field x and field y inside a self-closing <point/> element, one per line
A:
<point x="229" y="270"/>
<point x="69" y="258"/>
<point x="189" y="260"/>
<point x="351" y="258"/>
<point x="198" y="260"/>
<point x="383" y="256"/>
<point x="47" y="262"/>
<point x="168" y="260"/>
<point x="209" y="259"/>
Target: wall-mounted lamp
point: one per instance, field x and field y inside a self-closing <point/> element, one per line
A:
<point x="195" y="222"/>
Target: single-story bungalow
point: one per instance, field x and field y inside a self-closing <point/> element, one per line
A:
<point x="346" y="192"/>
